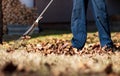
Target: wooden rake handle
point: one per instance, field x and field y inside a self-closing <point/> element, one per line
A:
<point x="30" y="30"/>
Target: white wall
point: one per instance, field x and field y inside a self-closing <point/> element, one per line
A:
<point x="28" y="3"/>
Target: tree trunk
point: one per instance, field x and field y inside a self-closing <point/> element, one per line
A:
<point x="1" y="22"/>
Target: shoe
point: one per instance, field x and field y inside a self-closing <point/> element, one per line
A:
<point x="106" y="48"/>
<point x="76" y="50"/>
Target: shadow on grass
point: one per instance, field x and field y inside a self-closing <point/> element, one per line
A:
<point x="8" y="38"/>
<point x="58" y="29"/>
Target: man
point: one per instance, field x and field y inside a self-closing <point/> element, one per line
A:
<point x="78" y="23"/>
<point x="1" y="22"/>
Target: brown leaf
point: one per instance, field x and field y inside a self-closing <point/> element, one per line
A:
<point x="108" y="69"/>
<point x="9" y="68"/>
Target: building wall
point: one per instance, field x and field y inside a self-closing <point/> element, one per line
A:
<point x="60" y="10"/>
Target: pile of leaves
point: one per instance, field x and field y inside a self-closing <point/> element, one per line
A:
<point x="62" y="46"/>
<point x="14" y="12"/>
<point x="56" y="56"/>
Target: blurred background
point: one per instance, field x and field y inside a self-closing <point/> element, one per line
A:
<point x="57" y="16"/>
<point x="60" y="10"/>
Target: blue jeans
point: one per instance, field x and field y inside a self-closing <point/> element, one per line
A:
<point x="79" y="25"/>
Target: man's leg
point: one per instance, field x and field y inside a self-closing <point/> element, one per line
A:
<point x="78" y="23"/>
<point x="102" y="22"/>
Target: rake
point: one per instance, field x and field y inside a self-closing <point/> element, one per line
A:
<point x="30" y="30"/>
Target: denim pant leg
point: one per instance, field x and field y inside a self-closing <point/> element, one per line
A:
<point x="101" y="17"/>
<point x="78" y="24"/>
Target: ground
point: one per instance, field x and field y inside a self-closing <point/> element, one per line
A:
<point x="50" y="54"/>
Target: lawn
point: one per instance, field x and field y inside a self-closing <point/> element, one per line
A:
<point x="50" y="54"/>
